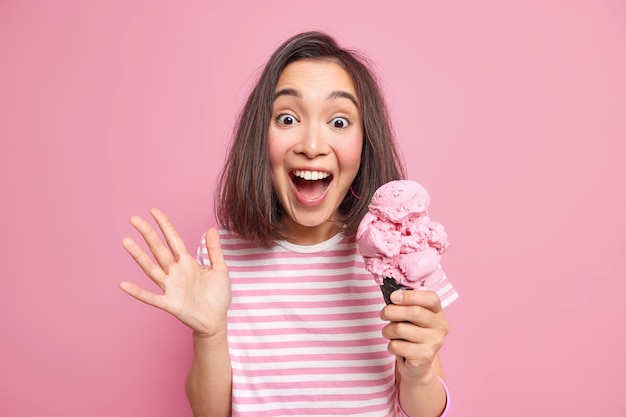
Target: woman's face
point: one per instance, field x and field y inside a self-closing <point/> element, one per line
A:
<point x="315" y="141"/>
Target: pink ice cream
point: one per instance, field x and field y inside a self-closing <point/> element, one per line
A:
<point x="400" y="245"/>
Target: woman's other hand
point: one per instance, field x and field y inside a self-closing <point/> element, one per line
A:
<point x="416" y="331"/>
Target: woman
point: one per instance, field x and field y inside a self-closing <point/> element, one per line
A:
<point x="285" y="319"/>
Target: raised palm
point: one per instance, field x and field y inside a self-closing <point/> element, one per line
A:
<point x="198" y="296"/>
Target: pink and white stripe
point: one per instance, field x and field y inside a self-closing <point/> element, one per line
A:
<point x="304" y="331"/>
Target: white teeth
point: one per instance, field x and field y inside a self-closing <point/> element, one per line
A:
<point x="311" y="175"/>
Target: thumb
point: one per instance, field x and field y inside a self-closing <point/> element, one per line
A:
<point x="214" y="250"/>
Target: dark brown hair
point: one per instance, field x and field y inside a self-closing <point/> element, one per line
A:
<point x="245" y="202"/>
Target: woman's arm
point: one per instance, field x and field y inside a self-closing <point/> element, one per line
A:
<point x="199" y="297"/>
<point x="426" y="397"/>
<point x="417" y="330"/>
<point x="209" y="380"/>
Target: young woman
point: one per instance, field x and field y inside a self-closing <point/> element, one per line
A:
<point x="285" y="319"/>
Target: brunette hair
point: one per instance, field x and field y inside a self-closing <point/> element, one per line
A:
<point x="245" y="202"/>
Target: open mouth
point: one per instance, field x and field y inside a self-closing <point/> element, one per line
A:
<point x="310" y="184"/>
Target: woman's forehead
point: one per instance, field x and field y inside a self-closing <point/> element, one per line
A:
<point x="316" y="77"/>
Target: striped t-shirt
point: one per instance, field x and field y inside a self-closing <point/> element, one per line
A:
<point x="304" y="331"/>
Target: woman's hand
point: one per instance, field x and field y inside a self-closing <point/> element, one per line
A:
<point x="197" y="296"/>
<point x="416" y="331"/>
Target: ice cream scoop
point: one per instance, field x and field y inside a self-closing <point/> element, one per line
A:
<point x="399" y="243"/>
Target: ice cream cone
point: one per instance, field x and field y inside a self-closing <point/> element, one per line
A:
<point x="390" y="285"/>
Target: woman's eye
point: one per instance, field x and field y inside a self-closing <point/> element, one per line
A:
<point x="340" y="122"/>
<point x="286" y="119"/>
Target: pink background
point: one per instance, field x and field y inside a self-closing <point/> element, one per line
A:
<point x="512" y="114"/>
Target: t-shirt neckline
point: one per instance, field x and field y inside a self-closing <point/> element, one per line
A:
<point x="318" y="247"/>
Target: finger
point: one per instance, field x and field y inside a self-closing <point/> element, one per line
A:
<point x="410" y="333"/>
<point x="422" y="298"/>
<point x="413" y="353"/>
<point x="161" y="253"/>
<point x="153" y="271"/>
<point x="417" y="315"/>
<point x="142" y="295"/>
<point x="214" y="250"/>
<point x="174" y="241"/>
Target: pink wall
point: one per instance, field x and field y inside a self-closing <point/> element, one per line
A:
<point x="511" y="113"/>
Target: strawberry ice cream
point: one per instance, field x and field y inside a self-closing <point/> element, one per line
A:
<point x="401" y="247"/>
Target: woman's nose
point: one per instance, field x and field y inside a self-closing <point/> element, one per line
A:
<point x="314" y="142"/>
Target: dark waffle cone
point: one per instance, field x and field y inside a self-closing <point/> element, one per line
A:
<point x="390" y="285"/>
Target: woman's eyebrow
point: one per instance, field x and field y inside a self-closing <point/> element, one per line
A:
<point x="342" y="94"/>
<point x="287" y="92"/>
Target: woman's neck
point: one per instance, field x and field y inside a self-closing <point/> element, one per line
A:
<point x="307" y="236"/>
